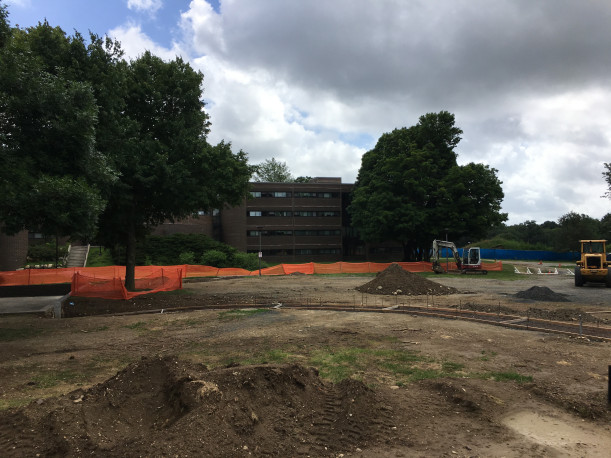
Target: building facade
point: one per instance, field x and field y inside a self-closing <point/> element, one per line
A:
<point x="287" y="222"/>
<point x="300" y="222"/>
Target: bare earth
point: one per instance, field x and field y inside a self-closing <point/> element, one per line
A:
<point x="197" y="380"/>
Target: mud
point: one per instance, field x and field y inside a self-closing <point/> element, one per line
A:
<point x="542" y="293"/>
<point x="214" y="382"/>
<point x="164" y="406"/>
<point x="397" y="281"/>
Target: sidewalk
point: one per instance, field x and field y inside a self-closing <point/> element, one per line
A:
<point x="40" y="304"/>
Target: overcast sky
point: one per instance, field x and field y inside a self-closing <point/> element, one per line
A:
<point x="315" y="83"/>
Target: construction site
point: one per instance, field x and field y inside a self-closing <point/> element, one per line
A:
<point x="395" y="364"/>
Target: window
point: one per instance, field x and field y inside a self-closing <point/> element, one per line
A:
<point x="319" y="195"/>
<point x="269" y="233"/>
<point x="317" y="213"/>
<point x="310" y="251"/>
<point x="270" y="194"/>
<point x="277" y="213"/>
<point x="270" y="213"/>
<point x="317" y="232"/>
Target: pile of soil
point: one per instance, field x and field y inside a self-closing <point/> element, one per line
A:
<point x="167" y="407"/>
<point x="398" y="281"/>
<point x="542" y="293"/>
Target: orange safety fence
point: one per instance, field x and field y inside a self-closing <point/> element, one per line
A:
<point x="159" y="279"/>
<point x="51" y="276"/>
<point x="201" y="271"/>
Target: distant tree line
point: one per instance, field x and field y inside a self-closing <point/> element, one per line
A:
<point x="562" y="235"/>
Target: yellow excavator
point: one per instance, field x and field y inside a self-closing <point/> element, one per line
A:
<point x="593" y="265"/>
<point x="471" y="261"/>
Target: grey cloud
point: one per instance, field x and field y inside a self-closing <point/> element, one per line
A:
<point x="438" y="50"/>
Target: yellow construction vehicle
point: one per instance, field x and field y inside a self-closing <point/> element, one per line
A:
<point x="593" y="265"/>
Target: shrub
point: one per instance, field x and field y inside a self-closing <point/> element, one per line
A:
<point x="188" y="257"/>
<point x="248" y="261"/>
<point x="214" y="258"/>
<point x="45" y="252"/>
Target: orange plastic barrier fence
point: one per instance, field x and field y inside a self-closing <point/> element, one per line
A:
<point x="201" y="271"/>
<point x="159" y="279"/>
<point x="49" y="276"/>
<point x="307" y="268"/>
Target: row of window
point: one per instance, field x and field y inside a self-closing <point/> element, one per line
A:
<point x="293" y="213"/>
<point x="299" y="251"/>
<point x="301" y="194"/>
<point x="298" y="232"/>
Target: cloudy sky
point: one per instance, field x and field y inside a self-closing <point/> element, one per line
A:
<point x="315" y="83"/>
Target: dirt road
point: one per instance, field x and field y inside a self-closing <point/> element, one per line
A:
<point x="239" y="382"/>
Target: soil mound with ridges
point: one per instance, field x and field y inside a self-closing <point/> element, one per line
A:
<point x="396" y="280"/>
<point x="542" y="293"/>
<point x="167" y="407"/>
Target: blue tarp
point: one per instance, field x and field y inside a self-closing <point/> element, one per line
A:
<point x="528" y="255"/>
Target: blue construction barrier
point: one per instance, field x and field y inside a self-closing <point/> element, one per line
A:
<point x="528" y="255"/>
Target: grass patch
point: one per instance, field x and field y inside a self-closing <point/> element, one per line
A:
<point x="54" y="378"/>
<point x="97" y="258"/>
<point x="10" y="334"/>
<point x="138" y="326"/>
<point x="275" y="356"/>
<point x="229" y="315"/>
<point x="450" y="367"/>
<point x="487" y="355"/>
<point x="14" y="403"/>
<point x="336" y="365"/>
<point x="270" y="356"/>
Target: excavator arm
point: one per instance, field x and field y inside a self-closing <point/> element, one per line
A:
<point x="437" y="244"/>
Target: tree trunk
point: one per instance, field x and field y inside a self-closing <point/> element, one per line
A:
<point x="130" y="256"/>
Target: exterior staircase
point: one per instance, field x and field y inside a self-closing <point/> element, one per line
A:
<point x="77" y="256"/>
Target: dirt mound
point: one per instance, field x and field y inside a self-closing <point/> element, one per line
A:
<point x="396" y="280"/>
<point x="167" y="407"/>
<point x="541" y="293"/>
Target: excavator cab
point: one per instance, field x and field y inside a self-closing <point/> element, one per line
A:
<point x="471" y="258"/>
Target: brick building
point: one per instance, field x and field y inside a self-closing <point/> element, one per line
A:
<point x="13" y="250"/>
<point x="288" y="222"/>
<point x="299" y="222"/>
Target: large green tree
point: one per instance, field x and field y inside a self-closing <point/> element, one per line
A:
<point x="574" y="227"/>
<point x="272" y="171"/>
<point x="166" y="168"/>
<point x="47" y="135"/>
<point x="82" y="130"/>
<point x="410" y="189"/>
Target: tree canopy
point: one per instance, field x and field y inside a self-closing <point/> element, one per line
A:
<point x="90" y="141"/>
<point x="273" y="171"/>
<point x="607" y="177"/>
<point x="410" y="189"/>
<point x="48" y="120"/>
